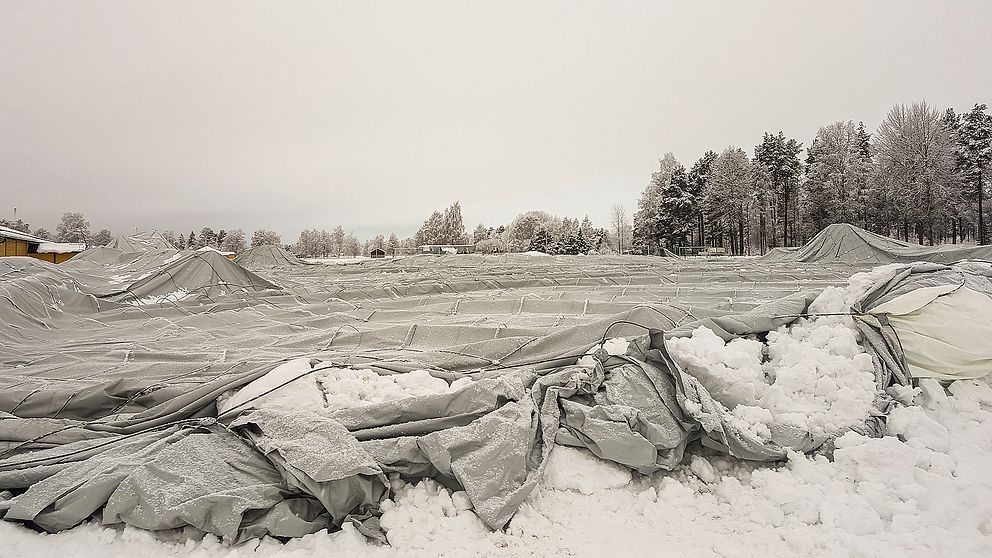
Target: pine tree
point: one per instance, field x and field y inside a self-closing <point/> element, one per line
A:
<point x="191" y="241"/>
<point x="647" y="226"/>
<point x="698" y="178"/>
<point x="780" y="158"/>
<point x="975" y="141"/>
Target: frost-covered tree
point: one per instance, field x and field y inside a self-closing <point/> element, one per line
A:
<point x="234" y="241"/>
<point x="208" y="237"/>
<point x="915" y="163"/>
<point x="379" y="242"/>
<point x="541" y="241"/>
<point x="42" y="232"/>
<point x="698" y="178"/>
<point x="337" y="239"/>
<point x="647" y="219"/>
<point x="479" y="234"/>
<point x="170" y="237"/>
<point x="620" y="228"/>
<point x="101" y="238"/>
<point x="524" y="227"/>
<point x="17" y="225"/>
<point x="180" y="242"/>
<point x="191" y="242"/>
<point x="432" y="230"/>
<point x="452" y="227"/>
<point x="779" y="158"/>
<point x="264" y="237"/>
<point x="393" y="244"/>
<point x="677" y="209"/>
<point x="837" y="174"/>
<point x="974" y="138"/>
<point x="727" y="197"/>
<point x="72" y="228"/>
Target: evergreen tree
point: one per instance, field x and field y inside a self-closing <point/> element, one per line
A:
<point x="541" y="241"/>
<point x="647" y="226"/>
<point x="191" y="241"/>
<point x="698" y="178"/>
<point x="780" y="158"/>
<point x="975" y="155"/>
<point x="393" y="244"/>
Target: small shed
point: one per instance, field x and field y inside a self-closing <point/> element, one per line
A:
<point x="377" y="253"/>
<point x="16" y="243"/>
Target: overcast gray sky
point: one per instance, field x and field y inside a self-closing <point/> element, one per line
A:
<point x="292" y="115"/>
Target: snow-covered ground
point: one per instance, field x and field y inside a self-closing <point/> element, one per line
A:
<point x="924" y="489"/>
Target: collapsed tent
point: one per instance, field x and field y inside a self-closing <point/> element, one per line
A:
<point x="142" y="241"/>
<point x="848" y="243"/>
<point x="260" y="409"/>
<point x="267" y="256"/>
<point x="935" y="317"/>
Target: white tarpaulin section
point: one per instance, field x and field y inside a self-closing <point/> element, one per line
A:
<point x="944" y="331"/>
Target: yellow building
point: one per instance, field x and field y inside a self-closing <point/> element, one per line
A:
<point x="17" y="243"/>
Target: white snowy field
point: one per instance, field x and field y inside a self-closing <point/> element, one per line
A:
<point x="925" y="489"/>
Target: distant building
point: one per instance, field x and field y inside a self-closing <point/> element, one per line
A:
<point x="447" y="248"/>
<point x="17" y="243"/>
<point x="377" y="253"/>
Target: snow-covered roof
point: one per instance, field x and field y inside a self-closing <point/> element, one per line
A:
<point x="18" y="235"/>
<point x="60" y="247"/>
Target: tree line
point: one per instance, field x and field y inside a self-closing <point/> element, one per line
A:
<point x="923" y="174"/>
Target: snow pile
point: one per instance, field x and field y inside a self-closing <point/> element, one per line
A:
<point x="345" y="388"/>
<point x="578" y="469"/>
<point x="422" y="518"/>
<point x="812" y="375"/>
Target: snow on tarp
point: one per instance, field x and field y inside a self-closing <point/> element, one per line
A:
<point x="199" y="274"/>
<point x="142" y="241"/>
<point x="848" y="243"/>
<point x="508" y="337"/>
<point x="267" y="256"/>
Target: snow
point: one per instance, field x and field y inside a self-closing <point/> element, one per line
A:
<point x="580" y="470"/>
<point x="345" y="388"/>
<point x="812" y="375"/>
<point x="291" y="386"/>
<point x="176" y="296"/>
<point x="923" y="490"/>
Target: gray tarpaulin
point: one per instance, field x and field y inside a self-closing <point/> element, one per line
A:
<point x="107" y="407"/>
